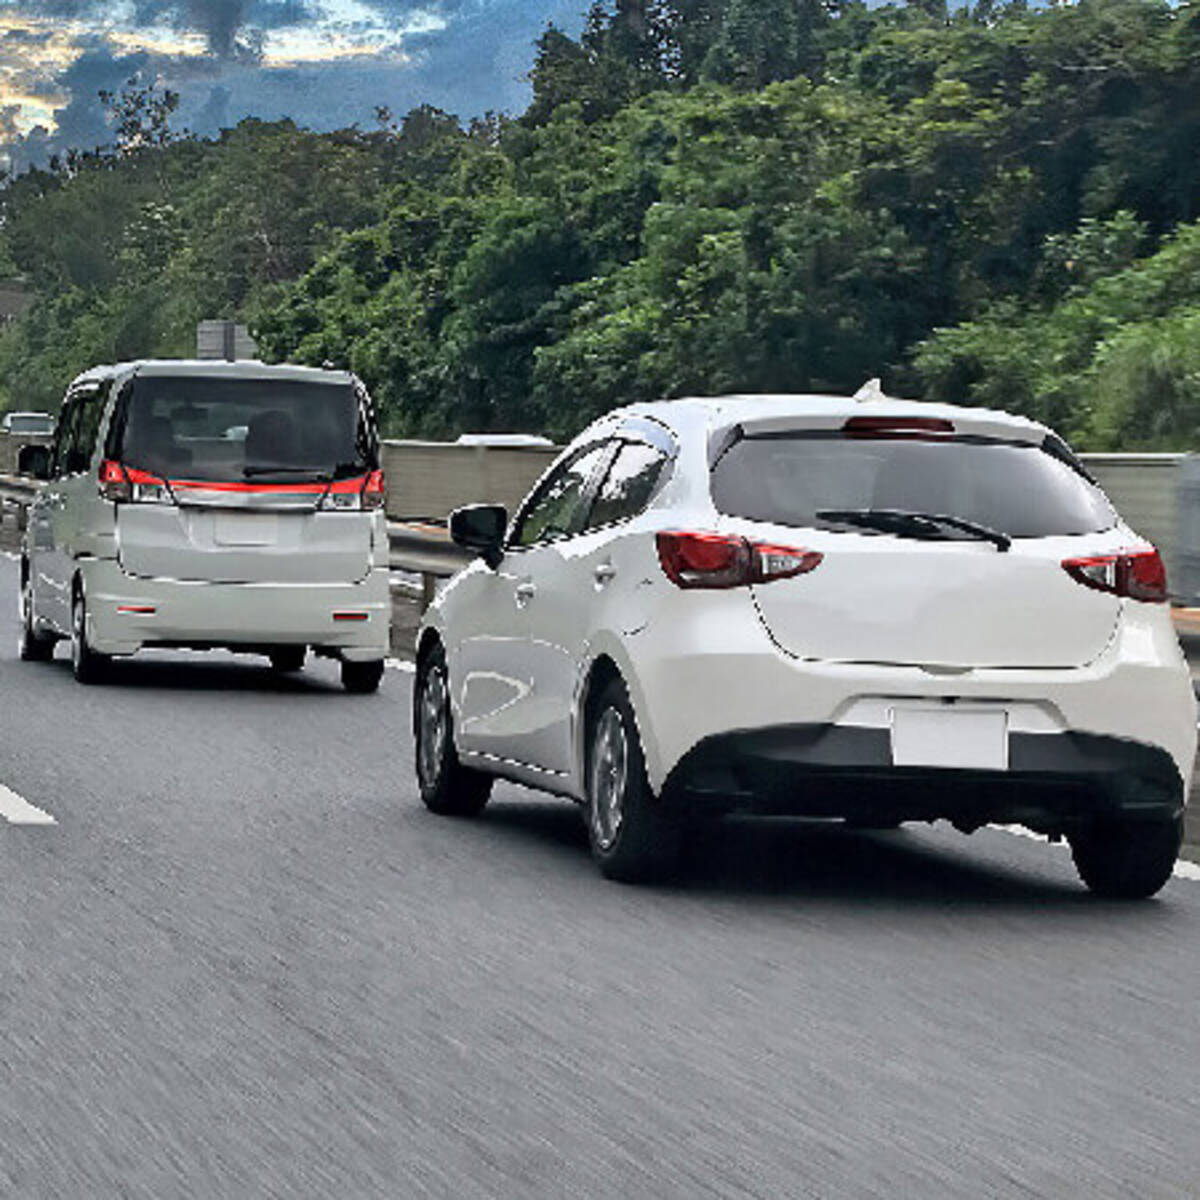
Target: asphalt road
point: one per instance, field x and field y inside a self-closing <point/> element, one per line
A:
<point x="245" y="963"/>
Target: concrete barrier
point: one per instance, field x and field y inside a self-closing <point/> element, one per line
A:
<point x="10" y="444"/>
<point x="428" y="480"/>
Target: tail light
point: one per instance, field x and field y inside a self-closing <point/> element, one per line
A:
<point x="123" y="484"/>
<point x="896" y="426"/>
<point x="714" y="560"/>
<point x="374" y="493"/>
<point x="1137" y="573"/>
<point x="355" y="495"/>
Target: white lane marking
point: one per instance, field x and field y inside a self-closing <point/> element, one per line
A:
<point x="10" y="555"/>
<point x="1183" y="868"/>
<point x="401" y="664"/>
<point x="16" y="810"/>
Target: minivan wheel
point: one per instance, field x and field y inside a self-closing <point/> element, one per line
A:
<point x="86" y="665"/>
<point x="1127" y="860"/>
<point x="447" y="787"/>
<point x="288" y="659"/>
<point x="362" y="678"/>
<point x="35" y="646"/>
<point x="634" y="838"/>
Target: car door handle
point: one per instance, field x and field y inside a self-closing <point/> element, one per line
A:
<point x="524" y="593"/>
<point x="604" y="573"/>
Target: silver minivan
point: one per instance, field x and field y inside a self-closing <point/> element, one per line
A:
<point x="210" y="505"/>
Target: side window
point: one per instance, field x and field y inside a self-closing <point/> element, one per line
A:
<point x="557" y="509"/>
<point x="64" y="435"/>
<point x="628" y="486"/>
<point x="83" y="443"/>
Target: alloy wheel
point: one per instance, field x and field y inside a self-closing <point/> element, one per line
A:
<point x="432" y="724"/>
<point x="609" y="781"/>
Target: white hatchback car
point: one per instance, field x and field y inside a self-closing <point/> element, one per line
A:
<point x="210" y="504"/>
<point x="876" y="610"/>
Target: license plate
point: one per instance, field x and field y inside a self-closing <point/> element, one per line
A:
<point x="945" y="736"/>
<point x="245" y="529"/>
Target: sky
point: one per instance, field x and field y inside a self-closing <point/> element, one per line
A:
<point x="326" y="64"/>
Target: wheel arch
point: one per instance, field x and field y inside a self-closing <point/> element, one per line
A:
<point x="606" y="664"/>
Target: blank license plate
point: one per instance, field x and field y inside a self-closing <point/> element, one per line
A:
<point x="246" y="529"/>
<point x="950" y="737"/>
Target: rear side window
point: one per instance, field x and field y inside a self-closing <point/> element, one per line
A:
<point x="230" y="429"/>
<point x="628" y="486"/>
<point x="1013" y="488"/>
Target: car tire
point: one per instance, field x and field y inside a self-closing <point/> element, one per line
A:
<point x="1127" y="860"/>
<point x="86" y="665"/>
<point x="34" y="646"/>
<point x="633" y="835"/>
<point x="362" y="678"/>
<point x="446" y="786"/>
<point x="286" y="660"/>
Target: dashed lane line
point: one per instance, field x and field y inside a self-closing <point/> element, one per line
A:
<point x="16" y="810"/>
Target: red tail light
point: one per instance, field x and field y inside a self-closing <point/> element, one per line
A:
<point x="714" y="560"/>
<point x="1137" y="573"/>
<point x="374" y="493"/>
<point x="124" y="484"/>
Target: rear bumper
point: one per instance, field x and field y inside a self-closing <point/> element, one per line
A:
<point x="1054" y="782"/>
<point x="237" y="616"/>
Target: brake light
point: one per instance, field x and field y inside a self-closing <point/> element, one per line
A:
<point x="896" y="426"/>
<point x="123" y="484"/>
<point x="714" y="560"/>
<point x="1137" y="573"/>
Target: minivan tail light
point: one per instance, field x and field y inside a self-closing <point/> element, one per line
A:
<point x="123" y="484"/>
<point x="1137" y="573"/>
<point x="715" y="560"/>
<point x="374" y="493"/>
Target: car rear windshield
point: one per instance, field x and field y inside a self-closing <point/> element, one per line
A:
<point x="1016" y="489"/>
<point x="239" y="430"/>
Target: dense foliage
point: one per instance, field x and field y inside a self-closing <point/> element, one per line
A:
<point x="988" y="204"/>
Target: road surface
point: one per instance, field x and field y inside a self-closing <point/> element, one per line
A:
<point x="243" y="961"/>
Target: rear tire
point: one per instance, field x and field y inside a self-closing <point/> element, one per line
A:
<point x="86" y="665"/>
<point x="34" y="646"/>
<point x="286" y="660"/>
<point x="447" y="787"/>
<point x="1127" y="860"/>
<point x="634" y="838"/>
<point x="362" y="678"/>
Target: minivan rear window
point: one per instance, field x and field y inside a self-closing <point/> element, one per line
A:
<point x="1014" y="488"/>
<point x="237" y="430"/>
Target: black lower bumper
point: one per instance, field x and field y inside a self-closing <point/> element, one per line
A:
<point x="1054" y="783"/>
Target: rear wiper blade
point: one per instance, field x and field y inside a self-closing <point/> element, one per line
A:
<point x="316" y="474"/>
<point x="912" y="524"/>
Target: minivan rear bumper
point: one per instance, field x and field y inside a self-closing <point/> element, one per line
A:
<point x="1054" y="782"/>
<point x="127" y="614"/>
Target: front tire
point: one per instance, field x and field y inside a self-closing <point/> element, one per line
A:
<point x="362" y="678"/>
<point x="447" y="787"/>
<point x="1127" y="860"/>
<point x="634" y="838"/>
<point x="86" y="665"/>
<point x="34" y="646"/>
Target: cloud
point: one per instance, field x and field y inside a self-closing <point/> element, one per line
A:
<point x="323" y="63"/>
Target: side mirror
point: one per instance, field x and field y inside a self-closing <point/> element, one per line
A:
<point x="480" y="528"/>
<point x="34" y="461"/>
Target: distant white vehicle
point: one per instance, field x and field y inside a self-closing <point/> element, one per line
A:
<point x="502" y="439"/>
<point x="25" y="423"/>
<point x="156" y="527"/>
